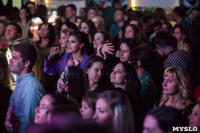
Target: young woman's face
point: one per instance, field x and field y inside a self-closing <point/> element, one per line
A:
<point x="96" y="23"/>
<point x="73" y="45"/>
<point x="84" y="28"/>
<point x="150" y="125"/>
<point x="98" y="39"/>
<point x="41" y="112"/>
<point x="22" y="14"/>
<point x="96" y="72"/>
<point x="177" y="34"/>
<point x="124" y="52"/>
<point x="63" y="40"/>
<point x="44" y="31"/>
<point x="129" y="33"/>
<point x="170" y="85"/>
<point x="86" y="112"/>
<point x="104" y="114"/>
<point x="194" y="118"/>
<point x="118" y="75"/>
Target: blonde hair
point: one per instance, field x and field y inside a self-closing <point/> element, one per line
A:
<point x="67" y="31"/>
<point x="100" y="20"/>
<point x="184" y="92"/>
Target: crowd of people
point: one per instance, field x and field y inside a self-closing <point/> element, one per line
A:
<point x="117" y="72"/>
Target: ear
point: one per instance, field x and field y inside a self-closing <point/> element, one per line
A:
<point x="27" y="63"/>
<point x="138" y="63"/>
<point x="180" y="85"/>
<point x="81" y="45"/>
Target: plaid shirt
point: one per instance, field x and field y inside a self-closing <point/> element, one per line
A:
<point x="179" y="58"/>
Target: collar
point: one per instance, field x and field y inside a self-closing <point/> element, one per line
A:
<point x="31" y="74"/>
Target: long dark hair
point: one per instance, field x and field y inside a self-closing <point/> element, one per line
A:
<point x="91" y="60"/>
<point x="76" y="83"/>
<point x="51" y="35"/>
<point x="133" y="85"/>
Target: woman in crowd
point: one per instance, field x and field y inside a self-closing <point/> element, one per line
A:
<point x="91" y="13"/>
<point x="5" y="89"/>
<point x="132" y="31"/>
<point x="162" y="120"/>
<point x="142" y="60"/>
<point x="182" y="34"/>
<point x="125" y="77"/>
<point x="3" y="41"/>
<point x="87" y="109"/>
<point x="194" y="118"/>
<point x="126" y="47"/>
<point x="176" y="90"/>
<point x="47" y="39"/>
<point x="77" y="43"/>
<point x="70" y="25"/>
<point x="24" y="22"/>
<point x="167" y="27"/>
<point x="113" y="111"/>
<point x="88" y="27"/>
<point x="48" y="103"/>
<point x="72" y="83"/>
<point x="95" y="75"/>
<point x="99" y="22"/>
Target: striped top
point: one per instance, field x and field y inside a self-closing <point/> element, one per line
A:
<point x="179" y="58"/>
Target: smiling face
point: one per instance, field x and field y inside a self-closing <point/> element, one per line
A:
<point x="194" y="118"/>
<point x="95" y="72"/>
<point x="170" y="84"/>
<point x="41" y="112"/>
<point x="124" y="52"/>
<point x="104" y="114"/>
<point x="117" y="77"/>
<point x="86" y="112"/>
<point x="63" y="40"/>
<point x="73" y="45"/>
<point x="150" y="125"/>
<point x="129" y="33"/>
<point x="98" y="39"/>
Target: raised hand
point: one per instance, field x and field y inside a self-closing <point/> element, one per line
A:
<point x="54" y="50"/>
<point x="107" y="49"/>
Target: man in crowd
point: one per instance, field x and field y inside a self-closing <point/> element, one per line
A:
<point x="28" y="91"/>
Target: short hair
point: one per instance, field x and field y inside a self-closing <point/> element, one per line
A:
<point x="164" y="40"/>
<point x="29" y="2"/>
<point x="180" y="11"/>
<point x="19" y="29"/>
<point x="72" y="6"/>
<point x="123" y="121"/>
<point x="156" y="23"/>
<point x="167" y="117"/>
<point x="145" y="55"/>
<point x="123" y="12"/>
<point x="27" y="52"/>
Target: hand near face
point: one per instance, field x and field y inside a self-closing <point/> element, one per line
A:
<point x="107" y="49"/>
<point x="54" y="50"/>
